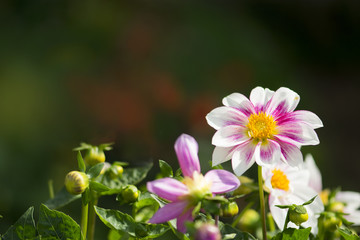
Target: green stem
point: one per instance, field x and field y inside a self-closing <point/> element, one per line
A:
<point x="237" y="219"/>
<point x="262" y="202"/>
<point x="51" y="189"/>
<point x="92" y="217"/>
<point x="84" y="219"/>
<point x="271" y="222"/>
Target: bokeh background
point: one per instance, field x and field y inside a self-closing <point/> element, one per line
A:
<point x="140" y="73"/>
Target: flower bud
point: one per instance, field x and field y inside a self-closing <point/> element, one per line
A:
<point x="298" y="215"/>
<point x="130" y="193"/>
<point x="336" y="207"/>
<point x="116" y="171"/>
<point x="208" y="231"/>
<point x="94" y="155"/>
<point x="249" y="220"/>
<point x="229" y="209"/>
<point x="331" y="222"/>
<point x="76" y="182"/>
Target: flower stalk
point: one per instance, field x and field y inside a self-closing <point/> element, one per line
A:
<point x="84" y="218"/>
<point x="262" y="202"/>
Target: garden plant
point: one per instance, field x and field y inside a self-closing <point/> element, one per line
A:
<point x="285" y="202"/>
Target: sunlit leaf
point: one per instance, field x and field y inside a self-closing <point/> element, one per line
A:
<point x="62" y="198"/>
<point x="24" y="227"/>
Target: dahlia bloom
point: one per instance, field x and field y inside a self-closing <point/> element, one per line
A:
<point x="183" y="196"/>
<point x="263" y="129"/>
<point x="351" y="200"/>
<point x="288" y="185"/>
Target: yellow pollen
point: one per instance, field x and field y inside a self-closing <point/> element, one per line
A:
<point x="279" y="180"/>
<point x="197" y="185"/>
<point x="261" y="126"/>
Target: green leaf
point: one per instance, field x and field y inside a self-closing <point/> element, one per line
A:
<point x="98" y="187"/>
<point x="95" y="170"/>
<point x="85" y="197"/>
<point x="105" y="146"/>
<point x="81" y="162"/>
<point x="165" y="169"/>
<point x="347" y="234"/>
<point x="130" y="176"/>
<point x="115" y="235"/>
<point x="228" y="232"/>
<point x="293" y="234"/>
<point x="24" y="227"/>
<point x="310" y="201"/>
<point x="126" y="224"/>
<point x="145" y="207"/>
<point x="83" y="146"/>
<point x="62" y="198"/>
<point x="57" y="225"/>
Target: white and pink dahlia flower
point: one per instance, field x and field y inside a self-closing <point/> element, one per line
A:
<point x="263" y="129"/>
<point x="183" y="196"/>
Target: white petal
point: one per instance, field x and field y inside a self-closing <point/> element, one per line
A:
<point x="230" y="136"/>
<point x="303" y="116"/>
<point x="283" y="101"/>
<point x="291" y="154"/>
<point x="278" y="214"/>
<point x="240" y="102"/>
<point x="222" y="154"/>
<point x="224" y="116"/>
<point x="243" y="158"/>
<point x="352" y="199"/>
<point x="315" y="175"/>
<point x="259" y="97"/>
<point x="354" y="217"/>
<point x="299" y="132"/>
<point x="268" y="153"/>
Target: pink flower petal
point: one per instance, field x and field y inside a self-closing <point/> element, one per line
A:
<point x="168" y="212"/>
<point x="180" y="222"/>
<point x="315" y="181"/>
<point x="291" y="154"/>
<point x="186" y="149"/>
<point x="240" y="102"/>
<point x="283" y="101"/>
<point x="302" y="116"/>
<point x="222" y="181"/>
<point x="222" y="154"/>
<point x="168" y="188"/>
<point x="230" y="136"/>
<point x="259" y="97"/>
<point x="299" y="132"/>
<point x="243" y="157"/>
<point x="268" y="152"/>
<point x="352" y="199"/>
<point x="224" y="116"/>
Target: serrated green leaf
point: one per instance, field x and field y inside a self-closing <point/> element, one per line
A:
<point x="57" y="225"/>
<point x="98" y="187"/>
<point x="62" y="198"/>
<point x="144" y="208"/>
<point x="235" y="234"/>
<point x="293" y="234"/>
<point x="347" y="234"/>
<point x="125" y="223"/>
<point x="81" y="162"/>
<point x="165" y="169"/>
<point x="130" y="176"/>
<point x="95" y="170"/>
<point x="24" y="227"/>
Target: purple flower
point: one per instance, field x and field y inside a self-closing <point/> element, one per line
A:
<point x="262" y="129"/>
<point x="208" y="231"/>
<point x="183" y="196"/>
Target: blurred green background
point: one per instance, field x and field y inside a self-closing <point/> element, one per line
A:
<point x="140" y="73"/>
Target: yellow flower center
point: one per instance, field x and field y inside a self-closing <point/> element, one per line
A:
<point x="197" y="185"/>
<point x="261" y="126"/>
<point x="279" y="180"/>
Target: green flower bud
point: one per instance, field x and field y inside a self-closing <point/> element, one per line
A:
<point x="331" y="222"/>
<point x="336" y="207"/>
<point x="130" y="193"/>
<point x="298" y="214"/>
<point x="116" y="171"/>
<point x="76" y="182"/>
<point x="249" y="220"/>
<point x="229" y="209"/>
<point x="94" y="155"/>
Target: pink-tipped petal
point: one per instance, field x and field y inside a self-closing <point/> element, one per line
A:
<point x="168" y="188"/>
<point x="268" y="152"/>
<point x="353" y="217"/>
<point x="351" y="199"/>
<point x="222" y="181"/>
<point x="230" y="136"/>
<point x="291" y="154"/>
<point x="243" y="157"/>
<point x="302" y="116"/>
<point x="240" y="102"/>
<point x="186" y="149"/>
<point x="222" y="154"/>
<point x="180" y="222"/>
<point x="259" y="97"/>
<point x="168" y="212"/>
<point x="224" y="116"/>
<point x="298" y="132"/>
<point x="315" y="181"/>
<point x="283" y="101"/>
